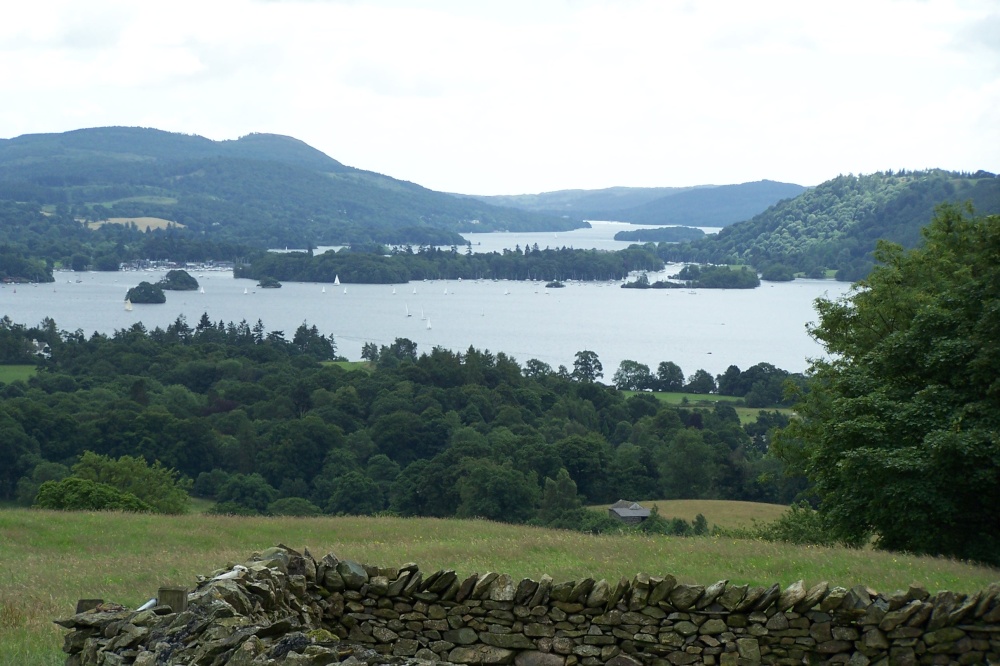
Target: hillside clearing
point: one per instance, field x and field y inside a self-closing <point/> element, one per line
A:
<point x="142" y="223"/>
<point x="722" y="513"/>
<point x="13" y="373"/>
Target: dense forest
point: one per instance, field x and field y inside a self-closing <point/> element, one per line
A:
<point x="261" y="421"/>
<point x="835" y="225"/>
<point x="260" y="190"/>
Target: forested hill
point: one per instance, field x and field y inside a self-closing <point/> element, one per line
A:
<point x="702" y="206"/>
<point x="261" y="189"/>
<point x="836" y="225"/>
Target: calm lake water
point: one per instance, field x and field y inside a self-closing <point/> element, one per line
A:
<point x="705" y="328"/>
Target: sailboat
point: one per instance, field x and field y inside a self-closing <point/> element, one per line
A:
<point x="345" y="290"/>
<point x="414" y="290"/>
<point x="245" y="290"/>
<point x="336" y="280"/>
<point x="422" y="317"/>
<point x="408" y="311"/>
<point x="128" y="305"/>
<point x="393" y="290"/>
<point x="202" y="290"/>
<point x="446" y="291"/>
<point x="428" y="324"/>
<point x="324" y="290"/>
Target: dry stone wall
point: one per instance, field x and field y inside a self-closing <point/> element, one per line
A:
<point x="283" y="607"/>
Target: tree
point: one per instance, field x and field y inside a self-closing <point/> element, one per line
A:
<point x="587" y="367"/>
<point x="669" y="377"/>
<point x="496" y="492"/>
<point x="900" y="430"/>
<point x="700" y="382"/>
<point x="632" y="376"/>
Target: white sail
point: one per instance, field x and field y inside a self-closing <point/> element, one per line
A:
<point x="202" y="290"/>
<point x="324" y="290"/>
<point x="408" y="311"/>
<point x="336" y="280"/>
<point x="245" y="290"/>
<point x="428" y="324"/>
<point x="128" y="305"/>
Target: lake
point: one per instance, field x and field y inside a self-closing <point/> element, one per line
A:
<point x="697" y="329"/>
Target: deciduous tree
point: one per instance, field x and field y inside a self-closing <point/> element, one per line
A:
<point x="900" y="431"/>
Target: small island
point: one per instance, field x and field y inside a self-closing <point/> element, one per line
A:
<point x="269" y="283"/>
<point x="661" y="235"/>
<point x="694" y="276"/>
<point x="178" y="280"/>
<point x="146" y="292"/>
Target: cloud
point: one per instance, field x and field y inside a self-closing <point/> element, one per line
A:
<point x="526" y="96"/>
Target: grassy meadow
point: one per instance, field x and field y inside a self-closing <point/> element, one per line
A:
<point x="724" y="513"/>
<point x="142" y="223"/>
<point x="13" y="373"/>
<point x="51" y="559"/>
<point x="708" y="400"/>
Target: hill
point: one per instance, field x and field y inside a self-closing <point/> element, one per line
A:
<point x="836" y="224"/>
<point x="702" y="206"/>
<point x="262" y="189"/>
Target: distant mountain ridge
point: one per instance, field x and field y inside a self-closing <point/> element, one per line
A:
<point x="701" y="206"/>
<point x="262" y="189"/>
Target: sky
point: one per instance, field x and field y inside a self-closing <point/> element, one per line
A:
<point x="527" y="96"/>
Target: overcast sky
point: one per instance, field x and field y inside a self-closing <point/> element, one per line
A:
<point x="513" y="96"/>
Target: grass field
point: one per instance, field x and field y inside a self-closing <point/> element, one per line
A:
<point x="51" y="559"/>
<point x="723" y="513"/>
<point x="142" y="223"/>
<point x="708" y="400"/>
<point x="13" y="373"/>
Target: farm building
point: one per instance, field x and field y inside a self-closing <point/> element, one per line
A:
<point x="628" y="512"/>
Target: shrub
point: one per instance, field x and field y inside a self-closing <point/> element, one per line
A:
<point x="293" y="506"/>
<point x="76" y="494"/>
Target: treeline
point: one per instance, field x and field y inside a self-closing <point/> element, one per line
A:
<point x="377" y="265"/>
<point x="261" y="423"/>
<point x="760" y="385"/>
<point x="835" y="226"/>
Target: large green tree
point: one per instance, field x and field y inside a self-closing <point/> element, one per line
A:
<point x="900" y="432"/>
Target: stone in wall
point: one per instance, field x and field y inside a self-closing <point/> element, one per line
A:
<point x="285" y="607"/>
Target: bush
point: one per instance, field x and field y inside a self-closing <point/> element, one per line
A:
<point x="75" y="494"/>
<point x="293" y="506"/>
<point x="155" y="485"/>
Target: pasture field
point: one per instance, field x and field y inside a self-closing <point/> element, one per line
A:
<point x="13" y="373"/>
<point x="724" y="513"/>
<point x="51" y="559"/>
<point x="142" y="223"/>
<point x="708" y="400"/>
